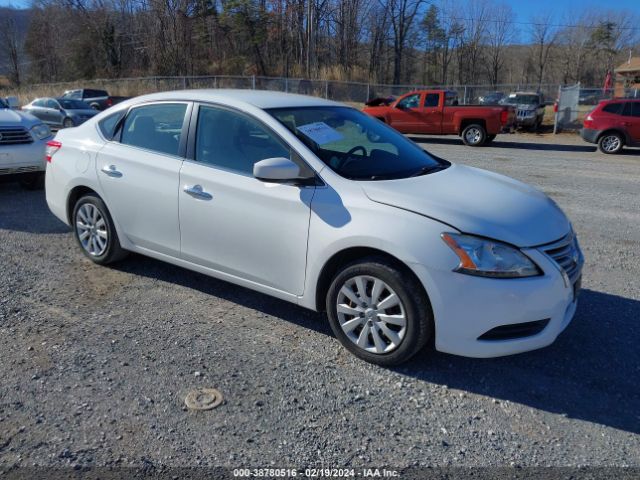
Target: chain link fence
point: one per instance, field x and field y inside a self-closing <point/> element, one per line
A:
<point x="356" y="92"/>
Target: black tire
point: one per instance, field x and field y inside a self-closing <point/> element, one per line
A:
<point x="67" y="123"/>
<point x="474" y="135"/>
<point x="113" y="251"/>
<point x="417" y="310"/>
<point x="32" y="181"/>
<point x="489" y="139"/>
<point x="610" y="142"/>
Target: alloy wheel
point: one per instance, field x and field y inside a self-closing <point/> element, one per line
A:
<point x="91" y="229"/>
<point x="610" y="143"/>
<point x="473" y="135"/>
<point x="371" y="314"/>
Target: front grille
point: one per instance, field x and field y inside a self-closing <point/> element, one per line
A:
<point x="522" y="113"/>
<point x="15" y="136"/>
<point x="566" y="253"/>
<point x="515" y="330"/>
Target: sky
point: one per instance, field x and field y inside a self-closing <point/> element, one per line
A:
<point x="523" y="9"/>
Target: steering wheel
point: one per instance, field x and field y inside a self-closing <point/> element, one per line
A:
<point x="347" y="157"/>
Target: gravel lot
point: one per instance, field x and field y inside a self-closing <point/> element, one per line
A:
<point x="96" y="362"/>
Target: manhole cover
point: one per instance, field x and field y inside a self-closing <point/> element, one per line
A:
<point x="203" y="399"/>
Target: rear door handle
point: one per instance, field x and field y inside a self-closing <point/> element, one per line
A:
<point x="197" y="191"/>
<point x="111" y="171"/>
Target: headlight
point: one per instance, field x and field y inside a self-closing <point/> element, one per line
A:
<point x="40" y="131"/>
<point x="489" y="258"/>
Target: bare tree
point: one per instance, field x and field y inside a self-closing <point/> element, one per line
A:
<point x="499" y="34"/>
<point x="543" y="38"/>
<point x="402" y="14"/>
<point x="11" y="43"/>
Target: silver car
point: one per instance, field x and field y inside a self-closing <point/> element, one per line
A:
<point x="60" y="112"/>
<point x="23" y="140"/>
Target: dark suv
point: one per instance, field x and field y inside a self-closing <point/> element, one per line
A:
<point x="613" y="124"/>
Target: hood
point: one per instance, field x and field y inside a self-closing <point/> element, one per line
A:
<point x="478" y="202"/>
<point x="17" y="118"/>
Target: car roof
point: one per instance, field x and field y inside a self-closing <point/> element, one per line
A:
<point x="621" y="99"/>
<point x="525" y="93"/>
<point x="258" y="98"/>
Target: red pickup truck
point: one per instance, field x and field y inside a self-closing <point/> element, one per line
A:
<point x="436" y="112"/>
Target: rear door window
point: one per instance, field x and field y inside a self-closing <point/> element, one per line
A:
<point x="431" y="99"/>
<point x="94" y="93"/>
<point x="635" y="109"/>
<point x="156" y="127"/>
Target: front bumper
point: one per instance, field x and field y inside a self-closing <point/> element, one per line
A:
<point x="467" y="307"/>
<point x="526" y="121"/>
<point x="23" y="158"/>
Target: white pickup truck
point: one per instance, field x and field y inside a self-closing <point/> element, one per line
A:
<point x="23" y="140"/>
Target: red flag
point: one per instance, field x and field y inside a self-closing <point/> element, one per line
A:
<point x="607" y="82"/>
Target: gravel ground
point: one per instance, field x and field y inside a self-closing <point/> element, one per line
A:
<point x="96" y="362"/>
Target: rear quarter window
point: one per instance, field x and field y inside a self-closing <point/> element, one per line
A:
<point x="108" y="124"/>
<point x="615" y="108"/>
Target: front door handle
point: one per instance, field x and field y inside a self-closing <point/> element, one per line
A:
<point x="197" y="191"/>
<point x="111" y="171"/>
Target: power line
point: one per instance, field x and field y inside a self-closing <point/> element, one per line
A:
<point x="542" y="24"/>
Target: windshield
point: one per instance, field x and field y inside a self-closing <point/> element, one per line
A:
<point x="523" y="100"/>
<point x="3" y="104"/>
<point x="73" y="104"/>
<point x="355" y="145"/>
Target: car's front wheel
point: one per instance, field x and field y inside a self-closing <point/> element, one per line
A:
<point x="474" y="135"/>
<point x="379" y="312"/>
<point x="67" y="123"/>
<point x="610" y="143"/>
<point x="95" y="232"/>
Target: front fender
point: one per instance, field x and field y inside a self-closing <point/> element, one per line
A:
<point x="411" y="238"/>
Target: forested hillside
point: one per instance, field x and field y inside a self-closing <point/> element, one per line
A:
<point x="384" y="41"/>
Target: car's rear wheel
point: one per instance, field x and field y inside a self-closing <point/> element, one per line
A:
<point x="95" y="232"/>
<point x="67" y="123"/>
<point x="610" y="143"/>
<point x="32" y="181"/>
<point x="379" y="312"/>
<point x="474" y="135"/>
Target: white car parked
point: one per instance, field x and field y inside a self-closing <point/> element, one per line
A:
<point x="23" y="140"/>
<point x="316" y="203"/>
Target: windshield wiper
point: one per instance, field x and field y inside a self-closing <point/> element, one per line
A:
<point x="428" y="169"/>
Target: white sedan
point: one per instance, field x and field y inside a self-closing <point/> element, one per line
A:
<point x="314" y="202"/>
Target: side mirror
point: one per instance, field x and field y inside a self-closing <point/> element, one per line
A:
<point x="277" y="170"/>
